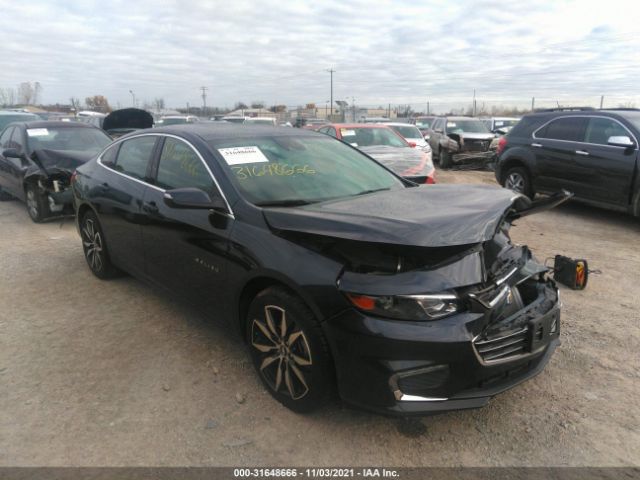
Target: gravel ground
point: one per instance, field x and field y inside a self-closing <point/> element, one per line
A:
<point x="99" y="373"/>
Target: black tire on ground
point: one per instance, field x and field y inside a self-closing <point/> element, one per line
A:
<point x="289" y="351"/>
<point x="518" y="180"/>
<point x="95" y="248"/>
<point x="37" y="206"/>
<point x="445" y="159"/>
<point x="4" y="196"/>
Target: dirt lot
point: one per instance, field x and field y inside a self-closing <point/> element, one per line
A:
<point x="112" y="373"/>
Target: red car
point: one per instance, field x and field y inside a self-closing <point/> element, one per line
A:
<point x="387" y="147"/>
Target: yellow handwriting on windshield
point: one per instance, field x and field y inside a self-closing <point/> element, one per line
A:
<point x="272" y="170"/>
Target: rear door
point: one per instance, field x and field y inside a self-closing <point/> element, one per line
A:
<point x="555" y="145"/>
<point x="605" y="172"/>
<point x="119" y="197"/>
<point x="186" y="248"/>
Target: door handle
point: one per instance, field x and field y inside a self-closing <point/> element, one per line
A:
<point x="537" y="145"/>
<point x="582" y="152"/>
<point x="150" y="207"/>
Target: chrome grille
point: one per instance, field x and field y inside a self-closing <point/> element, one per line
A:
<point x="504" y="347"/>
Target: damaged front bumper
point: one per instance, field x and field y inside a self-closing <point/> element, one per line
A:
<point x="506" y="335"/>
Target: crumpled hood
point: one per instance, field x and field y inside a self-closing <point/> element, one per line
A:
<point x="63" y="159"/>
<point x="402" y="161"/>
<point x="427" y="216"/>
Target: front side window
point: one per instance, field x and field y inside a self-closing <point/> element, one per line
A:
<point x="300" y="169"/>
<point x="180" y="167"/>
<point x="568" y="129"/>
<point x="5" y="139"/>
<point x="133" y="157"/>
<point x="600" y="129"/>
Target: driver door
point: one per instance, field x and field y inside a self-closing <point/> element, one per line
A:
<point x="185" y="248"/>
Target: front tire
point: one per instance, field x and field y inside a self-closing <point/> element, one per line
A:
<point x="518" y="180"/>
<point x="95" y="248"/>
<point x="37" y="206"/>
<point x="289" y="351"/>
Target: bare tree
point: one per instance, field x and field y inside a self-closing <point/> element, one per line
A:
<point x="25" y="93"/>
<point x="257" y="104"/>
<point x="75" y="104"/>
<point x="98" y="103"/>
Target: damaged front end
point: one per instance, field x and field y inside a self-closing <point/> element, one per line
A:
<point x="51" y="175"/>
<point x="469" y="147"/>
<point x="437" y="327"/>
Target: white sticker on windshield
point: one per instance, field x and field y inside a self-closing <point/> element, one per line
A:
<point x="346" y="132"/>
<point x="242" y="155"/>
<point x="37" y="132"/>
<point x="451" y="124"/>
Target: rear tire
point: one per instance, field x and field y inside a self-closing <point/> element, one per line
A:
<point x="518" y="180"/>
<point x="289" y="351"/>
<point x="37" y="206"/>
<point x="95" y="248"/>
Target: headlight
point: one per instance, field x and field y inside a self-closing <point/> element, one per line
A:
<point x="408" y="307"/>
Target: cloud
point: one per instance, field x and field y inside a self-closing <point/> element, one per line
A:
<point x="382" y="51"/>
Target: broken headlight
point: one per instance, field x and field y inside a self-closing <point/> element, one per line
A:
<point x="408" y="307"/>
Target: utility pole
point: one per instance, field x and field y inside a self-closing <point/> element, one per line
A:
<point x="187" y="108"/>
<point x="428" y="108"/>
<point x="331" y="71"/>
<point x="601" y="101"/>
<point x="533" y="103"/>
<point x="133" y="97"/>
<point x="474" y="102"/>
<point x="204" y="100"/>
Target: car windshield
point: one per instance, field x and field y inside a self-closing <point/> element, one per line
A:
<point x="368" y="137"/>
<point x="296" y="170"/>
<point x="17" y="117"/>
<point x="468" y="126"/>
<point x="67" y="138"/>
<point x="407" y="131"/>
<point x="234" y="119"/>
<point x="424" y="122"/>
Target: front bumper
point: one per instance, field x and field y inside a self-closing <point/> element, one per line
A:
<point x="459" y="362"/>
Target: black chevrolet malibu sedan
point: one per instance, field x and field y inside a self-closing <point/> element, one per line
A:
<point x="339" y="274"/>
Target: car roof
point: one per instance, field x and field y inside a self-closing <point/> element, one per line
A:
<point x="460" y="117"/>
<point x="222" y="131"/>
<point x="358" y="125"/>
<point x="53" y="124"/>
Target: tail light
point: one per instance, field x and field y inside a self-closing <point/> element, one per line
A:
<point x="502" y="144"/>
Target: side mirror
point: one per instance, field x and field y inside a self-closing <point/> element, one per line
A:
<point x="13" y="153"/>
<point x="439" y="130"/>
<point x="621" y="141"/>
<point x="193" y="198"/>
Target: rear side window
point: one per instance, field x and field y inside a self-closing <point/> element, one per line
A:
<point x="134" y="156"/>
<point x="567" y="128"/>
<point x="599" y="130"/>
<point x="108" y="158"/>
<point x="180" y="167"/>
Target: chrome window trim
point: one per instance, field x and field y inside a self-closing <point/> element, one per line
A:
<point x="631" y="135"/>
<point x="215" y="181"/>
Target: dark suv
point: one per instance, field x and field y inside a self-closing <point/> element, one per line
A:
<point x="592" y="153"/>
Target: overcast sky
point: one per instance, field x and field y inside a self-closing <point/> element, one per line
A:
<point x="279" y="51"/>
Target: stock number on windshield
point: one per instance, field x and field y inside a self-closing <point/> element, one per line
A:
<point x="272" y="170"/>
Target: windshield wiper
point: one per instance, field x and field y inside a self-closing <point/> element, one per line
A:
<point x="284" y="203"/>
<point x="372" y="191"/>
